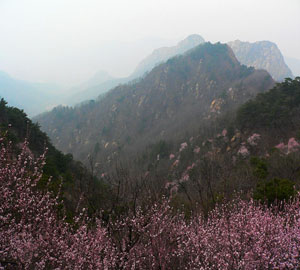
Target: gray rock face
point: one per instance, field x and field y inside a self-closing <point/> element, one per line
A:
<point x="262" y="55"/>
<point x="163" y="54"/>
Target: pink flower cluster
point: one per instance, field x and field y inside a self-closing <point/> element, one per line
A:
<point x="183" y="146"/>
<point x="224" y="132"/>
<point x="243" y="151"/>
<point x="185" y="176"/>
<point x="238" y="235"/>
<point x="31" y="235"/>
<point x="253" y="139"/>
<point x="171" y="156"/>
<point x="197" y="150"/>
<point x="292" y="146"/>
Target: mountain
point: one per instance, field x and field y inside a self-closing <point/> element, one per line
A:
<point x="98" y="78"/>
<point x="294" y="65"/>
<point x="67" y="174"/>
<point x="92" y="92"/>
<point x="262" y="55"/>
<point x="103" y="82"/>
<point x="174" y="98"/>
<point x="91" y="89"/>
<point x="33" y="98"/>
<point x="163" y="54"/>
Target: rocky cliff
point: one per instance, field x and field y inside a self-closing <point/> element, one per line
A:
<point x="262" y="55"/>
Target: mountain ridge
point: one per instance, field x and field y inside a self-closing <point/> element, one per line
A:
<point x="179" y="93"/>
<point x="29" y="96"/>
<point x="262" y="55"/>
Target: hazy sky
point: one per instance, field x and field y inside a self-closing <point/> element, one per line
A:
<point x="67" y="41"/>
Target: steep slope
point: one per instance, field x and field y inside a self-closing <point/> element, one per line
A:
<point x="262" y="55"/>
<point x="255" y="149"/>
<point x="33" y="98"/>
<point x="163" y="54"/>
<point x="95" y="87"/>
<point x="67" y="175"/>
<point x="172" y="99"/>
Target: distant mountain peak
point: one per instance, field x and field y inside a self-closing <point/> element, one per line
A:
<point x="262" y="55"/>
<point x="163" y="54"/>
<point x="101" y="75"/>
<point x="174" y="97"/>
<point x="191" y="41"/>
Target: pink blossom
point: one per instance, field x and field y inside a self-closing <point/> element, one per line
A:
<point x="240" y="235"/>
<point x="224" y="132"/>
<point x="243" y="151"/>
<point x="32" y="236"/>
<point x="175" y="163"/>
<point x="191" y="166"/>
<point x="197" y="150"/>
<point x="253" y="139"/>
<point x="293" y="145"/>
<point x="184" y="178"/>
<point x="281" y="147"/>
<point x="183" y="146"/>
<point x="171" y="156"/>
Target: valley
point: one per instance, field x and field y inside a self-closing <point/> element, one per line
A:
<point x="149" y="135"/>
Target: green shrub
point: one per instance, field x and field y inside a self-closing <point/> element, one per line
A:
<point x="274" y="191"/>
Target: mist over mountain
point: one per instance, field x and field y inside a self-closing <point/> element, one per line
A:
<point x="163" y="54"/>
<point x="98" y="78"/>
<point x="175" y="97"/>
<point x="33" y="98"/>
<point x="91" y="89"/>
<point x="262" y="55"/>
<point x="157" y="149"/>
<point x="103" y="82"/>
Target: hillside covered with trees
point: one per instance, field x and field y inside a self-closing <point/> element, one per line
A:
<point x="194" y="166"/>
<point x="252" y="230"/>
<point x="174" y="98"/>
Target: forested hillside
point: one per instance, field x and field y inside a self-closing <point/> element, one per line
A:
<point x="101" y="83"/>
<point x="172" y="100"/>
<point x="69" y="177"/>
<point x="260" y="55"/>
<point x="181" y="213"/>
<point x="144" y="147"/>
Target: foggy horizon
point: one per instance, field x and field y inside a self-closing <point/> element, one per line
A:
<point x="67" y="42"/>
